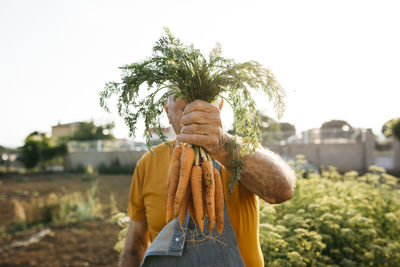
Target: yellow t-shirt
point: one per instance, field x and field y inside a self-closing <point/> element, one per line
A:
<point x="148" y="195"/>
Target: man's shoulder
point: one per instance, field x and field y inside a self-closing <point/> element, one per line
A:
<point x="158" y="152"/>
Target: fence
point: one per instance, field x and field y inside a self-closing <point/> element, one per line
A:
<point x="103" y="152"/>
<point x="315" y="136"/>
<point x="121" y="145"/>
<point x="347" y="150"/>
<point x="353" y="149"/>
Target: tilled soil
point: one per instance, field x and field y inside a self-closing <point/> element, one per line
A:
<point x="86" y="243"/>
<point x="82" y="244"/>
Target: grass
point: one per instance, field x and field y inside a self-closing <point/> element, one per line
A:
<point x="55" y="208"/>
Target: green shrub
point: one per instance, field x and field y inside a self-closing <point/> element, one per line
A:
<point x="75" y="207"/>
<point x="332" y="220"/>
<point x="78" y="169"/>
<point x="18" y="192"/>
<point x="115" y="167"/>
<point x="59" y="208"/>
<point x="67" y="175"/>
<point x="123" y="221"/>
<point x="5" y="173"/>
<point x="335" y="220"/>
<point x="23" y="179"/>
<point x="391" y="128"/>
<point x="90" y="175"/>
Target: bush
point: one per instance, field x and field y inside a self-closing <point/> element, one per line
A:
<point x="90" y="175"/>
<point x="332" y="220"/>
<point x="115" y="167"/>
<point x="58" y="208"/>
<point x="23" y="179"/>
<point x="78" y="169"/>
<point x="123" y="221"/>
<point x="335" y="220"/>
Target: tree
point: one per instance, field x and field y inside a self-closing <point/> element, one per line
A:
<point x="336" y="129"/>
<point x="2" y="149"/>
<point x="274" y="131"/>
<point x="335" y="124"/>
<point x="6" y="149"/>
<point x="38" y="149"/>
<point x="392" y="127"/>
<point x="265" y="121"/>
<point x="89" y="131"/>
<point x="271" y="130"/>
<point x="278" y="131"/>
<point x="33" y="148"/>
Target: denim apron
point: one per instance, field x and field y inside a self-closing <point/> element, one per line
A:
<point x="178" y="247"/>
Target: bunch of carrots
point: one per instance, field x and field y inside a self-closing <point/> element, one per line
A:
<point x="193" y="182"/>
<point x="195" y="185"/>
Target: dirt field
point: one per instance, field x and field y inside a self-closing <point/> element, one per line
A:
<point x="87" y="243"/>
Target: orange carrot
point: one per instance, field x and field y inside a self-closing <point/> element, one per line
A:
<point x="196" y="182"/>
<point x="204" y="202"/>
<point x="184" y="207"/>
<point x="173" y="178"/>
<point x="191" y="207"/>
<point x="219" y="201"/>
<point x="187" y="160"/>
<point x="176" y="154"/>
<point x="208" y="178"/>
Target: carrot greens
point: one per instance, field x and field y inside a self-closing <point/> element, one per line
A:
<point x="183" y="71"/>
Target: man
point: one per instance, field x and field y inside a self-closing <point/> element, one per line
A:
<point x="264" y="174"/>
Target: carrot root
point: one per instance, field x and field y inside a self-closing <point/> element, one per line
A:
<point x="173" y="178"/>
<point x="187" y="160"/>
<point x="196" y="182"/>
<point x="184" y="207"/>
<point x="219" y="202"/>
<point x="208" y="179"/>
<point x="176" y="154"/>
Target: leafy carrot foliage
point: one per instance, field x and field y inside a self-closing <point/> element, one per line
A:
<point x="183" y="71"/>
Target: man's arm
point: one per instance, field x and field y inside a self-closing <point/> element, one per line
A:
<point x="136" y="243"/>
<point x="264" y="172"/>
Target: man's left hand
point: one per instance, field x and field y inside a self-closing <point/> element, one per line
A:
<point x="201" y="126"/>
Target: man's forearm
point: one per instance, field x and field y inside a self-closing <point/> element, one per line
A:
<point x="132" y="258"/>
<point x="264" y="172"/>
<point x="136" y="243"/>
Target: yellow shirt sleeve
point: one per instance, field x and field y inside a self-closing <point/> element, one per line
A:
<point x="136" y="208"/>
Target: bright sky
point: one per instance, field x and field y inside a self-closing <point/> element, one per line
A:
<point x="335" y="59"/>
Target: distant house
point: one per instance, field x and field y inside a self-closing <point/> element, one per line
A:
<point x="67" y="129"/>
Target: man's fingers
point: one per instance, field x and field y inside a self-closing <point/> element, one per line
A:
<point x="205" y="129"/>
<point x="200" y="105"/>
<point x="200" y="117"/>
<point x="198" y="139"/>
<point x="181" y="103"/>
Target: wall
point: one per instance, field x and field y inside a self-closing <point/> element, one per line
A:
<point x="344" y="156"/>
<point x="126" y="158"/>
<point x="356" y="155"/>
